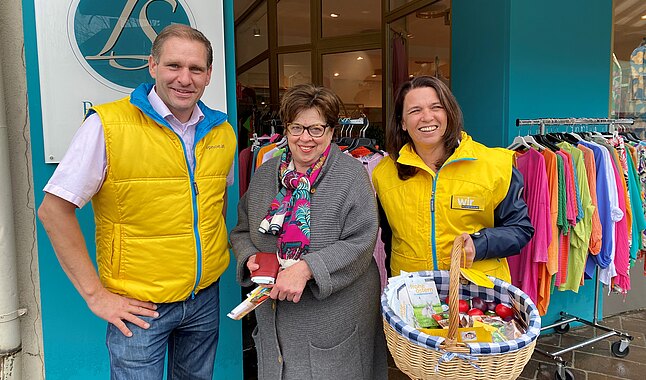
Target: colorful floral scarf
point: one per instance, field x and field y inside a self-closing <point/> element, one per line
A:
<point x="289" y="213"/>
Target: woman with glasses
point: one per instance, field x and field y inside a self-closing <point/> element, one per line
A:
<point x="314" y="206"/>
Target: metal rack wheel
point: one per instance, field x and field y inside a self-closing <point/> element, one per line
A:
<point x="618" y="350"/>
<point x="568" y="375"/>
<point x="562" y="329"/>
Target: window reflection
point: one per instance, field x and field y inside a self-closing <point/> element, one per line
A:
<point x="293" y="22"/>
<point x="251" y="35"/>
<point x="252" y="95"/>
<point x="356" y="78"/>
<point x="343" y="17"/>
<point x="294" y="69"/>
<point x="628" y="92"/>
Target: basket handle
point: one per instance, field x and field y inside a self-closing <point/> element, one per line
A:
<point x="454" y="290"/>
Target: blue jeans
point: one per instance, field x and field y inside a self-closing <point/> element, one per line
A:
<point x="188" y="328"/>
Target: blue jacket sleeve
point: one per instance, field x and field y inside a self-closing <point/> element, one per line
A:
<point x="512" y="227"/>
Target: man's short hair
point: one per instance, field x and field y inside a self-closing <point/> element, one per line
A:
<point x="181" y="31"/>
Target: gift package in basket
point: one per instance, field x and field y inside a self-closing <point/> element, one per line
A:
<point x="478" y="332"/>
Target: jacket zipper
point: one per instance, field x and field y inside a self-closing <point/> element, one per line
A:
<point x="194" y="193"/>
<point x="435" y="179"/>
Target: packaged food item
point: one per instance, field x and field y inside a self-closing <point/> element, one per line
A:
<point x="424" y="299"/>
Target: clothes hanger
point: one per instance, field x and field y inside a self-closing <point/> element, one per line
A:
<point x="518" y="143"/>
<point x="529" y="139"/>
<point x="543" y="140"/>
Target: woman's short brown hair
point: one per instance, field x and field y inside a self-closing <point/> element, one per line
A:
<point x="306" y="96"/>
<point x="397" y="137"/>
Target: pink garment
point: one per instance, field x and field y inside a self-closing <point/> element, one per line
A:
<point x="370" y="163"/>
<point x="525" y="267"/>
<point x="622" y="247"/>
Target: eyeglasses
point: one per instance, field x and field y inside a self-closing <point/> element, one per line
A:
<point x="315" y="130"/>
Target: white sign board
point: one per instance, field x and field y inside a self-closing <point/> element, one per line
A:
<point x="92" y="52"/>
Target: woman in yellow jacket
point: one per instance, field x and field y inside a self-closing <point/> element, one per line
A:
<point x="437" y="183"/>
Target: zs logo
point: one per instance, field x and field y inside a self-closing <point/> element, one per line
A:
<point x="112" y="39"/>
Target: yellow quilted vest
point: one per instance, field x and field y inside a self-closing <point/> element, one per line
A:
<point x="160" y="233"/>
<point x="427" y="212"/>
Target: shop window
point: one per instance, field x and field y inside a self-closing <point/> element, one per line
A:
<point x="253" y="96"/>
<point x="428" y="38"/>
<point x="435" y="6"/>
<point x="343" y="17"/>
<point x="356" y="78"/>
<point x="294" y="24"/>
<point x="251" y="35"/>
<point x="240" y="6"/>
<point x="294" y="69"/>
<point x="628" y="90"/>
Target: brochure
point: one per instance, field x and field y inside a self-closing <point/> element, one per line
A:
<point x="253" y="300"/>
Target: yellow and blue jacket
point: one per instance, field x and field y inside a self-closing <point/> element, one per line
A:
<point x="160" y="232"/>
<point x="476" y="191"/>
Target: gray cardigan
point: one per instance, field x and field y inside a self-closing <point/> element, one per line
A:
<point x="335" y="331"/>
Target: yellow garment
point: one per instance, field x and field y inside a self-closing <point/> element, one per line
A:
<point x="473" y="172"/>
<point x="160" y="234"/>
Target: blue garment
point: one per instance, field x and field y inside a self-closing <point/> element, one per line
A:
<point x="605" y="212"/>
<point x="190" y="330"/>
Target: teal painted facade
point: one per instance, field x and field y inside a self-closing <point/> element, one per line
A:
<point x="74" y="338"/>
<point x="520" y="59"/>
<point x="511" y="59"/>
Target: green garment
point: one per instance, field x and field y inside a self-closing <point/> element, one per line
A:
<point x="561" y="221"/>
<point x="580" y="237"/>
<point x="639" y="221"/>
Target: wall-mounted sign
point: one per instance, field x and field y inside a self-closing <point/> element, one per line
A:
<point x="92" y="52"/>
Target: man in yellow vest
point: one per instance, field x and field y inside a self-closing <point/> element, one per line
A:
<point x="155" y="166"/>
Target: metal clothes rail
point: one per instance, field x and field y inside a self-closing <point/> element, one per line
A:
<point x="572" y="121"/>
<point x="619" y="348"/>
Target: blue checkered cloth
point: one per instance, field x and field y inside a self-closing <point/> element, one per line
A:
<point x="501" y="292"/>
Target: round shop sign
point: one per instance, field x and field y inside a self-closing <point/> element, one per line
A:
<point x="112" y="39"/>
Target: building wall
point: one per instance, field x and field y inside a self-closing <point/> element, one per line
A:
<point x="529" y="59"/>
<point x="12" y="70"/>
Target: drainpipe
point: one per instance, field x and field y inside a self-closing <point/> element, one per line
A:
<point x="10" y="341"/>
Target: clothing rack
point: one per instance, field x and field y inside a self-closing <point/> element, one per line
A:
<point x="619" y="348"/>
<point x="572" y="121"/>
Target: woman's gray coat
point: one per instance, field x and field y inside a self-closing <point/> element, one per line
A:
<point x="335" y="331"/>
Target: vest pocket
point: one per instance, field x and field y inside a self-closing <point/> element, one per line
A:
<point x="115" y="260"/>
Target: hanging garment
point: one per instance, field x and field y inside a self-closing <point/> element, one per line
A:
<point x="609" y="211"/>
<point x="524" y="267"/>
<point x="594" y="245"/>
<point x="580" y="236"/>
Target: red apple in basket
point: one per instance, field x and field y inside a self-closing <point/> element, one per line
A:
<point x="504" y="311"/>
<point x="475" y="311"/>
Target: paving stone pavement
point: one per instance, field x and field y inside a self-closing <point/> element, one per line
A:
<point x="590" y="362"/>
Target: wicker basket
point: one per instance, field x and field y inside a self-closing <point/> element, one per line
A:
<point x="421" y="356"/>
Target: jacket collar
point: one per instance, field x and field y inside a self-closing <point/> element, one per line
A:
<point x="464" y="151"/>
<point x="212" y="118"/>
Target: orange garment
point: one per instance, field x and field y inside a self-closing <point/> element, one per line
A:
<point x="564" y="251"/>
<point x="544" y="288"/>
<point x="261" y="152"/>
<point x="590" y="168"/>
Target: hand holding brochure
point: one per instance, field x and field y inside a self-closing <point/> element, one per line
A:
<point x="254" y="299"/>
